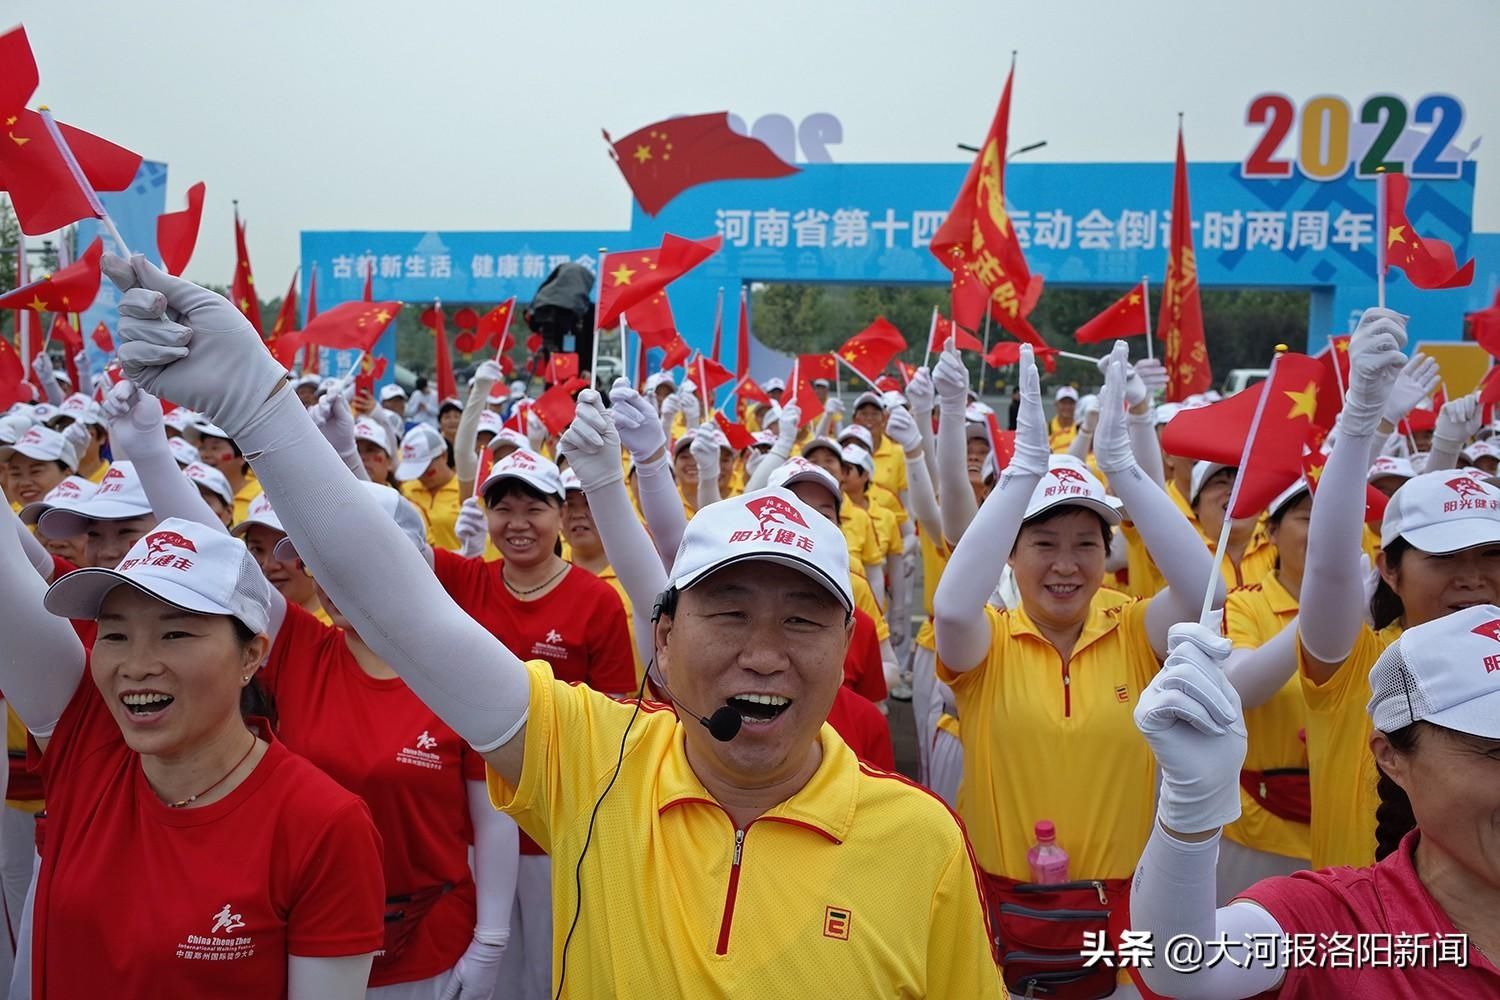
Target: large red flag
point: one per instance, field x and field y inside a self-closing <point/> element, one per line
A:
<point x="43" y="191"/>
<point x="633" y="276"/>
<point x="652" y="319"/>
<point x="963" y="340"/>
<point x="350" y="326"/>
<point x="1301" y="398"/>
<point x="283" y="342"/>
<point x="68" y="289"/>
<point x="242" y="288"/>
<point x="433" y="318"/>
<point x="1427" y="263"/>
<point x="557" y="406"/>
<point x="18" y="73"/>
<point x="871" y="349"/>
<point x="13" y="385"/>
<point x="311" y="356"/>
<point x="177" y="232"/>
<point x="663" y="160"/>
<point x="816" y="366"/>
<point x="1180" y="322"/>
<point x="1125" y="318"/>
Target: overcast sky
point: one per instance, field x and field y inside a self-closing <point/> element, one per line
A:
<point x="446" y="114"/>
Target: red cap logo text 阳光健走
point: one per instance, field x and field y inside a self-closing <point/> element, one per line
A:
<point x="158" y="542"/>
<point x="771" y="511"/>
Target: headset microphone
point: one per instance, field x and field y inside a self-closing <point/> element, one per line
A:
<point x="723" y="725"/>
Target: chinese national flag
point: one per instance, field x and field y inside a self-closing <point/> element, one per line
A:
<point x="13" y="387"/>
<point x="963" y="340"/>
<point x="368" y="295"/>
<point x="18" y="73"/>
<point x="1484" y="327"/>
<point x="634" y="276"/>
<point x="751" y="392"/>
<point x="742" y="339"/>
<point x="556" y="407"/>
<point x="816" y="366"/>
<point x="69" y="336"/>
<point x="494" y="326"/>
<point x="69" y="289"/>
<point x="708" y="373"/>
<point x="1301" y="399"/>
<point x="663" y="160"/>
<point x="177" y="233"/>
<point x="561" y="367"/>
<point x="433" y="319"/>
<point x="871" y="349"/>
<point x="967" y="298"/>
<point x="801" y="391"/>
<point x="718" y="327"/>
<point x="370" y="370"/>
<point x="284" y="341"/>
<point x="102" y="338"/>
<point x="652" y="318"/>
<point x="1180" y="322"/>
<point x="1126" y="318"/>
<point x="41" y="187"/>
<point x="1335" y="357"/>
<point x="1489" y="392"/>
<point x="677" y="353"/>
<point x="351" y="326"/>
<point x="242" y="289"/>
<point x="1008" y="352"/>
<point x="738" y="437"/>
<point x="1427" y="263"/>
<point x="1313" y="460"/>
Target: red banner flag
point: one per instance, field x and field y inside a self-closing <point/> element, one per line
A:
<point x="633" y="276"/>
<point x="751" y="392"/>
<point x="816" y="366"/>
<point x="177" y="232"/>
<point x="1427" y="263"/>
<point x="494" y="326"/>
<point x="962" y="339"/>
<point x="368" y="295"/>
<point x="737" y="435"/>
<point x="18" y="73"/>
<point x="13" y="385"/>
<point x="1125" y="318"/>
<point x="432" y="317"/>
<point x="242" y="289"/>
<point x="1484" y="327"/>
<point x="68" y="289"/>
<point x="43" y="191"/>
<point x="351" y="326"/>
<point x="663" y="160"/>
<point x="102" y="338"/>
<point x="283" y="342"/>
<point x="652" y="319"/>
<point x="1180" y="322"/>
<point x="708" y="374"/>
<point x="871" y="349"/>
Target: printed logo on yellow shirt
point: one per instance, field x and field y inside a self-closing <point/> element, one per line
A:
<point x="1122" y="693"/>
<point x="836" y="923"/>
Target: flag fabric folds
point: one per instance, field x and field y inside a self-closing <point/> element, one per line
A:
<point x="662" y="160"/>
<point x="242" y="288"/>
<point x="963" y="340"/>
<point x="350" y="326"/>
<point x="69" y="289"/>
<point x="1125" y="318"/>
<point x="1180" y="322"/>
<point x="177" y="232"/>
<point x="1427" y="263"/>
<point x="634" y="276"/>
<point x="871" y="349"/>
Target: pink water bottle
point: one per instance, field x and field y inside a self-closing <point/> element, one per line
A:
<point x="1049" y="863"/>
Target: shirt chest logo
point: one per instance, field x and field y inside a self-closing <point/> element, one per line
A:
<point x="550" y="647"/>
<point x="424" y="754"/>
<point x="836" y="920"/>
<point x="220" y="944"/>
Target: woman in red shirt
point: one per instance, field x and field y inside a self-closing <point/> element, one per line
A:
<point x="261" y="875"/>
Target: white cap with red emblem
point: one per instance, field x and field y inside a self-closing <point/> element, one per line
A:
<point x="259" y="513"/>
<point x="42" y="444"/>
<point x="1069" y="481"/>
<point x="800" y="470"/>
<point x="1443" y="511"/>
<point x="769" y="525"/>
<point x="1446" y="672"/>
<point x="206" y="477"/>
<point x="182" y="563"/>
<point x="1387" y="465"/>
<point x="531" y="469"/>
<point x="74" y="488"/>
<point x="183" y="451"/>
<point x="120" y="496"/>
<point x="420" y="446"/>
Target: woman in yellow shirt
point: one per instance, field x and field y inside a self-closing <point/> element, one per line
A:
<point x="1440" y="552"/>
<point x="1250" y="554"/>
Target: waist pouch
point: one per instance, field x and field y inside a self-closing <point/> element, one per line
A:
<point x="1039" y="930"/>
<point x="403" y="914"/>
<point x="1283" y="792"/>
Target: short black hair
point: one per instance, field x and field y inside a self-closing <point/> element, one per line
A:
<point x="512" y="487"/>
<point x="1059" y="510"/>
<point x="449" y="405"/>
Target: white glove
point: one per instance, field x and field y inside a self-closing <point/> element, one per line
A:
<point x="833" y="405"/>
<point x="705" y="449"/>
<point x="1136" y="389"/>
<point x="901" y="428"/>
<point x="1375" y="360"/>
<point x="635" y="420"/>
<point x="920" y="394"/>
<point x="472" y="528"/>
<point x="78" y="435"/>
<point x="787" y="424"/>
<point x="488" y="372"/>
<point x="592" y="445"/>
<point x="476" y="974"/>
<point x="1190" y="715"/>
<point x="182" y="341"/>
<point x="1112" y="438"/>
<point x="687" y="403"/>
<point x="42" y="365"/>
<point x="951" y="381"/>
<point x="1153" y="373"/>
<point x="1417" y="381"/>
<point x="669" y="406"/>
<point x="1089" y="414"/>
<point x="85" y="376"/>
<point x="332" y="416"/>
<point x="133" y="418"/>
<point x="536" y="431"/>
<point x="1457" y="421"/>
<point x="1032" y="448"/>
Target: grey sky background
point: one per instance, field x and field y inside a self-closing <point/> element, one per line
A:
<point x="458" y="114"/>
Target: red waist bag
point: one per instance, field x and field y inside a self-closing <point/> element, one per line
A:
<point x="1283" y="791"/>
<point x="1039" y="930"/>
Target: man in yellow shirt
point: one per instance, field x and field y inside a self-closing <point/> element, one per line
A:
<point x="868" y="430"/>
<point x="427" y="479"/>
<point x="1062" y="429"/>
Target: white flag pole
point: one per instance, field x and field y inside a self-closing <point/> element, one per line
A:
<point x="1146" y="295"/>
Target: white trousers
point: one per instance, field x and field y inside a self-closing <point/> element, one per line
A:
<point x="526" y="967"/>
<point x="17" y="848"/>
<point x="945" y="769"/>
<point x="1240" y="867"/>
<point x="20" y="978"/>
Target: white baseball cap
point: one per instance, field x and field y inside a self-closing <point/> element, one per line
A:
<point x="80" y="409"/>
<point x="1069" y="481"/>
<point x="1418" y="460"/>
<point x="1287" y="497"/>
<point x="489" y="421"/>
<point x="312" y="380"/>
<point x="1446" y="672"/>
<point x="814" y="444"/>
<point x="73" y="489"/>
<point x="1480" y="449"/>
<point x="42" y="444"/>
<point x="800" y="470"/>
<point x="769" y="525"/>
<point x="823" y="382"/>
<point x="774" y="385"/>
<point x="208" y="429"/>
<point x="260" y="513"/>
<point x="182" y="563"/>
<point x="420" y="446"/>
<point x="857" y="456"/>
<point x="374" y="432"/>
<point x="182" y="450"/>
<point x="1387" y="465"/>
<point x="392" y="391"/>
<point x="764" y="439"/>
<point x="510" y="436"/>
<point x="119" y="497"/>
<point x="1165" y="412"/>
<point x="656" y="379"/>
<point x="211" y="479"/>
<point x="180" y="420"/>
<point x="15" y="423"/>
<point x="517" y="389"/>
<point x="1443" y="511"/>
<point x="43" y="412"/>
<point x="1202" y="472"/>
<point x="893" y="399"/>
<point x="393" y="504"/>
<point x="868" y="399"/>
<point x="1065" y="392"/>
<point x="855" y="432"/>
<point x="530" y="468"/>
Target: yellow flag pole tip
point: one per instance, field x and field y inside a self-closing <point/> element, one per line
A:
<point x="1282" y="348"/>
<point x="43" y="107"/>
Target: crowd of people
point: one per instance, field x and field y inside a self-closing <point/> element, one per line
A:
<point x="320" y="694"/>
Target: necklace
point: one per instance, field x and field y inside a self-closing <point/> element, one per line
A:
<point x="194" y="798"/>
<point x="541" y="586"/>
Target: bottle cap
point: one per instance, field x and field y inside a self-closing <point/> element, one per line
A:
<point x="1045" y="830"/>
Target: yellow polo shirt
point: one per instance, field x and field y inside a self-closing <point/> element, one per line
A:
<point x="97" y="476"/>
<point x="802" y="902"/>
<point x="883" y="497"/>
<point x="864" y="600"/>
<point x="1044" y="740"/>
<point x="890" y="467"/>
<point x="934" y="561"/>
<point x="1257" y="563"/>
<point x="1059" y="437"/>
<point x="887" y="529"/>
<point x="1252" y="615"/>
<point x="439" y="509"/>
<point x="1338" y="753"/>
<point x="859" y="534"/>
<point x="607" y="574"/>
<point x="245" y="497"/>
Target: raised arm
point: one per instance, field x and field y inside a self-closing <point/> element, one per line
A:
<point x="466" y="437"/>
<point x="451" y="663"/>
<point x="1457" y="422"/>
<point x="335" y="421"/>
<point x="1172" y="542"/>
<point x="963" y="633"/>
<point x="639" y="430"/>
<point x="134" y="419"/>
<point x="902" y="427"/>
<point x="786" y="439"/>
<point x="1146" y="376"/>
<point x="1332" y="593"/>
<point x="1257" y="673"/>
<point x="705" y="450"/>
<point x="955" y="497"/>
<point x="920" y="396"/>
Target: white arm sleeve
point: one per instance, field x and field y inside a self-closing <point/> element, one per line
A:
<point x="708" y="490"/>
<point x="1172" y="895"/>
<point x="1257" y="674"/>
<point x="763" y="469"/>
<point x="1332" y="593"/>
<point x="1145" y="445"/>
<point x="342" y="978"/>
<point x="955" y="495"/>
<point x="1081" y="443"/>
<point x="466" y="436"/>
<point x="380" y="581"/>
<point x="497" y="860"/>
<point x="632" y="556"/>
<point x="36" y="552"/>
<point x="924" y="505"/>
<point x="661" y="505"/>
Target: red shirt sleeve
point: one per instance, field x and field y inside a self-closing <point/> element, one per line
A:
<point x="864" y="728"/>
<point x="863" y="670"/>
<point x="340" y="904"/>
<point x="299" y="631"/>
<point x="611" y="660"/>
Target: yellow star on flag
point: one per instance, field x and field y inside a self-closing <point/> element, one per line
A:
<point x="1343" y="345"/>
<point x="1393" y="235"/>
<point x="36" y="303"/>
<point x="642" y="154"/>
<point x="1304" y="403"/>
<point x="1315" y="474"/>
<point x="1135" y="297"/>
<point x="382" y="315"/>
<point x="622" y="275"/>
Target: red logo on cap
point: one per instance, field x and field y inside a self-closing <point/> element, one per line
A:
<point x="159" y="541"/>
<point x="1490" y="630"/>
<point x="771" y="511"/>
<point x="1465" y="487"/>
<point x="1066" y="473"/>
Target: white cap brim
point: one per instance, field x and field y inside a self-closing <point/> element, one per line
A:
<point x="1454" y="536"/>
<point x="535" y="483"/>
<point x="1477" y="717"/>
<point x="801" y="565"/>
<point x="413" y="468"/>
<point x="80" y="594"/>
<point x="63" y="522"/>
<point x="1110" y="513"/>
